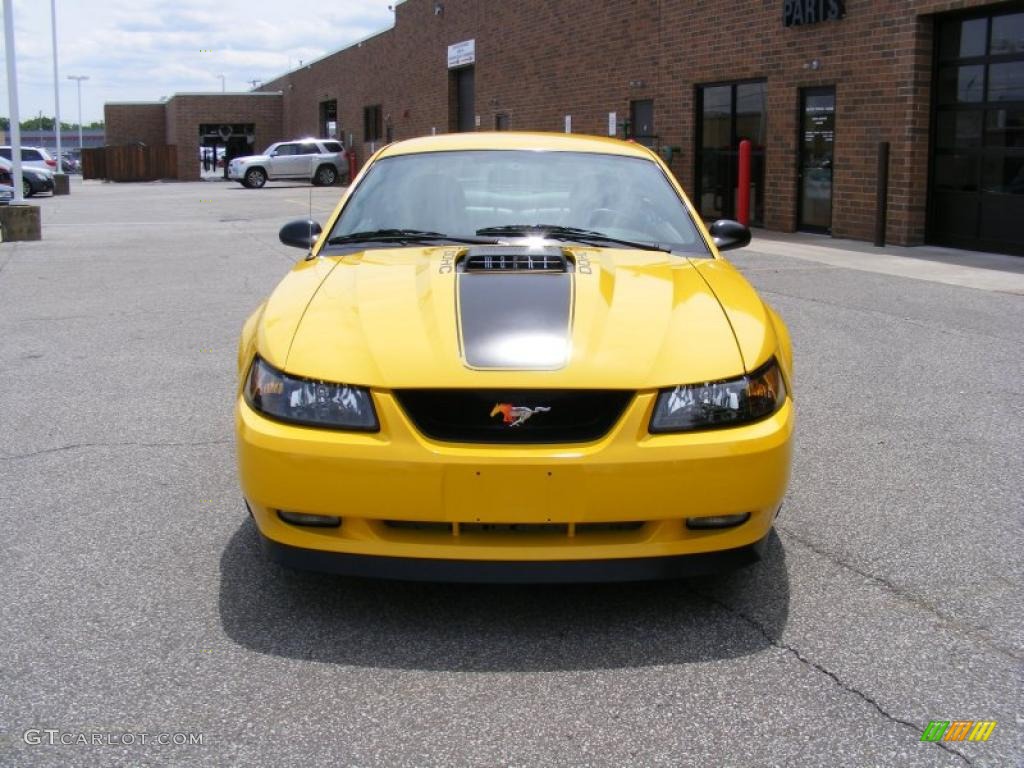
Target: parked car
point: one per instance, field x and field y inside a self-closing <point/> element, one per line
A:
<point x="32" y="157"/>
<point x="6" y="194"/>
<point x="71" y="163"/>
<point x="320" y="161"/>
<point x="514" y="357"/>
<point x="33" y="180"/>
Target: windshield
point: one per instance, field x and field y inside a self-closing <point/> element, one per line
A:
<point x="460" y="193"/>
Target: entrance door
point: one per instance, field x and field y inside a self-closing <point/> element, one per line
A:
<point x="465" y="99"/>
<point x="817" y="139"/>
<point x="641" y="119"/>
<point x="329" y="119"/>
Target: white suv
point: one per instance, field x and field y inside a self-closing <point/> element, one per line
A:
<point x="33" y="157"/>
<point x="321" y="161"/>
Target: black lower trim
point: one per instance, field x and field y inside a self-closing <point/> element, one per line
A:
<point x="514" y="571"/>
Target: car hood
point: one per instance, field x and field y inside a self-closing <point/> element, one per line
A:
<point x="625" y="319"/>
<point x="250" y="158"/>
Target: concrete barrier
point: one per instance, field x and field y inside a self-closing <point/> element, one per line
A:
<point x="61" y="184"/>
<point x="20" y="222"/>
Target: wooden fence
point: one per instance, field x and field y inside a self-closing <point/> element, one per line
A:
<point x="132" y="162"/>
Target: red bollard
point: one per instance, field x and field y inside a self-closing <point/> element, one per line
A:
<point x="743" y="185"/>
<point x="352" y="169"/>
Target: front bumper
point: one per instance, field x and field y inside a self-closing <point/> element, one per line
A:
<point x="379" y="483"/>
<point x="513" y="571"/>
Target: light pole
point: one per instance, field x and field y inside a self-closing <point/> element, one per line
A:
<point x="56" y="87"/>
<point x="79" y="78"/>
<point x="223" y="88"/>
<point x="12" y="98"/>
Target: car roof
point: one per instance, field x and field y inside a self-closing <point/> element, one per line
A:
<point x="552" y="142"/>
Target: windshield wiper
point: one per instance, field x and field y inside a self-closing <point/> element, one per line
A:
<point x="403" y="236"/>
<point x="557" y="232"/>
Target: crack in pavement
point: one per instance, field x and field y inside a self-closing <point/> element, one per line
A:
<point x="80" y="446"/>
<point x="777" y="643"/>
<point x="975" y="633"/>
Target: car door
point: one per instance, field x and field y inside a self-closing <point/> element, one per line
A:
<point x="307" y="158"/>
<point x="283" y="161"/>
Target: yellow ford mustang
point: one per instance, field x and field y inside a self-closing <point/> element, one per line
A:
<point x="514" y="357"/>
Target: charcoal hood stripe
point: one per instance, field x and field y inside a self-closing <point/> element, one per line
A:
<point x="515" y="321"/>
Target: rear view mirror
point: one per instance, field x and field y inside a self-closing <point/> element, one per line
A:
<point x="301" y="233"/>
<point x="729" y="234"/>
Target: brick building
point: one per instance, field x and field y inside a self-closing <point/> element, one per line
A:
<point x="244" y="123"/>
<point x="814" y="85"/>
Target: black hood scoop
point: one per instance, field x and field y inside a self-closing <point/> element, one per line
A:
<point x="514" y="259"/>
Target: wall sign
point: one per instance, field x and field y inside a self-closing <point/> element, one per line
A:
<point x="796" y="13"/>
<point x="461" y="54"/>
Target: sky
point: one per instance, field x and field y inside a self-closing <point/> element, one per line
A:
<point x="143" y="50"/>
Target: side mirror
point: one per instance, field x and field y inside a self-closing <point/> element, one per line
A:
<point x="729" y="234"/>
<point x="301" y="233"/>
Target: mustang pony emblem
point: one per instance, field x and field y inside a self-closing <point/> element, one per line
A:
<point x="514" y="415"/>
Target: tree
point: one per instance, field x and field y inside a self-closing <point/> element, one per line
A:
<point x="37" y="124"/>
<point x="46" y="124"/>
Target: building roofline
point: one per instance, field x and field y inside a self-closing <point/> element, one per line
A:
<point x="225" y="93"/>
<point x="190" y="93"/>
<point x="354" y="44"/>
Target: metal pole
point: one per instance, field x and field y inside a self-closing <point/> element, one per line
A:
<point x="12" y="97"/>
<point x="882" y="193"/>
<point x="79" y="79"/>
<point x="743" y="185"/>
<point x="56" y="86"/>
<point x="80" y="143"/>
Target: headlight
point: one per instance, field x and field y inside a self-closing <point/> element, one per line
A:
<point x="720" y="403"/>
<point x="307" y="401"/>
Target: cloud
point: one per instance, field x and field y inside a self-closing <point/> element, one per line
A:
<point x="142" y="50"/>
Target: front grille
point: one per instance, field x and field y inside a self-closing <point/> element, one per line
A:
<point x="513" y="416"/>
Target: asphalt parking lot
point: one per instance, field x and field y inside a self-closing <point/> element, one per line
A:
<point x="135" y="599"/>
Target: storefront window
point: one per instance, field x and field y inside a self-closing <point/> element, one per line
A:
<point x="729" y="114"/>
<point x="961" y="40"/>
<point x="1006" y="81"/>
<point x="977" y="190"/>
<point x="1004" y="128"/>
<point x="961" y="84"/>
<point x="958" y="129"/>
<point x="1007" y="34"/>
